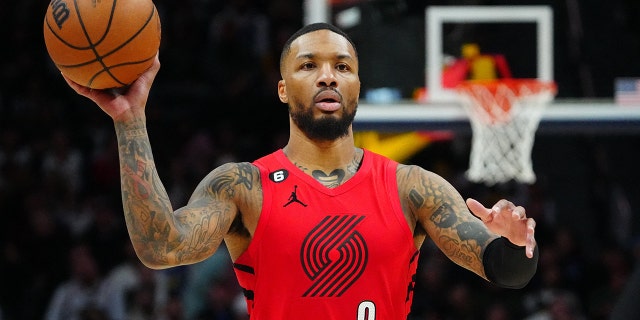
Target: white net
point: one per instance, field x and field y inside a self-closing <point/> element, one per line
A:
<point x="504" y="118"/>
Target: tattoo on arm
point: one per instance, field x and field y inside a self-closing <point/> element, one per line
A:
<point x="245" y="175"/>
<point x="161" y="236"/>
<point x="443" y="217"/>
<point x="144" y="198"/>
<point x="204" y="229"/>
<point x="440" y="209"/>
<point x="417" y="200"/>
<point x="135" y="133"/>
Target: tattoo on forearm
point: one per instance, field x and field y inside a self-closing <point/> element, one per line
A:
<point x="135" y="133"/>
<point x="469" y="231"/>
<point x="443" y="217"/>
<point x="147" y="206"/>
<point x="164" y="236"/>
<point x="458" y="251"/>
<point x="460" y="236"/>
<point x="141" y="187"/>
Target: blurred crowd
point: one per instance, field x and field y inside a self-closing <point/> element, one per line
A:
<point x="64" y="248"/>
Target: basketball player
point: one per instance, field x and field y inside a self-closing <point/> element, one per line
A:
<point x="319" y="229"/>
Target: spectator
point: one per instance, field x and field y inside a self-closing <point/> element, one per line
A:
<point x="133" y="291"/>
<point x="78" y="295"/>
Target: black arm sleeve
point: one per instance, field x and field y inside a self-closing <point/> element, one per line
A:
<point x="506" y="264"/>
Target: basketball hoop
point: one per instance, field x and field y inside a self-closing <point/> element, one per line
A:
<point x="504" y="116"/>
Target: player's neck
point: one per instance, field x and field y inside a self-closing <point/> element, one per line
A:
<point x="320" y="154"/>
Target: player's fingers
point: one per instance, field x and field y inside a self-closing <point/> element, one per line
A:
<point x="84" y="91"/>
<point x="142" y="85"/>
<point x="519" y="213"/>
<point x="150" y="74"/>
<point x="531" y="225"/>
<point x="479" y="210"/>
<point x="93" y="94"/>
<point x="502" y="205"/>
<point x="531" y="239"/>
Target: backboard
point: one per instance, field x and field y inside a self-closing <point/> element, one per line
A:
<point x="438" y="16"/>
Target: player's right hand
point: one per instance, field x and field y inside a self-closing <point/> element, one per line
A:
<point x="122" y="104"/>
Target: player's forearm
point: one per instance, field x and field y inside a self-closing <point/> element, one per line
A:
<point x="147" y="209"/>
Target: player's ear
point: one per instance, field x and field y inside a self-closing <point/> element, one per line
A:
<point x="282" y="91"/>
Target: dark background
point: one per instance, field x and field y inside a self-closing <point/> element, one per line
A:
<point x="215" y="101"/>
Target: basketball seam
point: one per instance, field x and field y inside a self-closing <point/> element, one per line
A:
<point x="94" y="46"/>
<point x="63" y="40"/>
<point x="144" y="26"/>
<point x="118" y="65"/>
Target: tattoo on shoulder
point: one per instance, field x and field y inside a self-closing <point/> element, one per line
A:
<point x="231" y="176"/>
<point x="245" y="175"/>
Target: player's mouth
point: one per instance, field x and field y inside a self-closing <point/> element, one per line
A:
<point x="328" y="100"/>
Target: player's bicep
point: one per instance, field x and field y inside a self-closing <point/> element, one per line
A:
<point x="207" y="217"/>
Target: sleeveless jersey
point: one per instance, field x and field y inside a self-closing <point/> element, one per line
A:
<point x="320" y="253"/>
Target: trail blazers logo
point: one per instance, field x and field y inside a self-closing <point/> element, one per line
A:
<point x="334" y="255"/>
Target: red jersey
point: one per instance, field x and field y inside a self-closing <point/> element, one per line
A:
<point x="319" y="253"/>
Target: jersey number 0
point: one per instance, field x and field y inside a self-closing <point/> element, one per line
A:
<point x="366" y="310"/>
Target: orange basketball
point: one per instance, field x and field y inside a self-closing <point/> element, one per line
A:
<point x="102" y="44"/>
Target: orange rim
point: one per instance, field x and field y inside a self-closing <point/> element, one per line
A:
<point x="496" y="96"/>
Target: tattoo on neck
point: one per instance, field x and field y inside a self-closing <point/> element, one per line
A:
<point x="301" y="167"/>
<point x="333" y="179"/>
<point x="355" y="164"/>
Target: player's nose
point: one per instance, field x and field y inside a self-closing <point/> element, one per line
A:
<point x="327" y="76"/>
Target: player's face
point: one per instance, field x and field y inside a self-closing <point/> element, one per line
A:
<point x="321" y="84"/>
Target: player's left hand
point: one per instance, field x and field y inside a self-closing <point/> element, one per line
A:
<point x="507" y="220"/>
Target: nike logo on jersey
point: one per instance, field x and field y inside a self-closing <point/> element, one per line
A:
<point x="293" y="198"/>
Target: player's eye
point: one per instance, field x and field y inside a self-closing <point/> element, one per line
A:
<point x="342" y="67"/>
<point x="307" y="66"/>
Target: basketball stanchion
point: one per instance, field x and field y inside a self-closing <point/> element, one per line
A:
<point x="504" y="116"/>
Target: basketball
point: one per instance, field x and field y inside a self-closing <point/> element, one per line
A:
<point x="102" y="44"/>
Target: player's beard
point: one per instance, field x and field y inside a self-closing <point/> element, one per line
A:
<point x="324" y="128"/>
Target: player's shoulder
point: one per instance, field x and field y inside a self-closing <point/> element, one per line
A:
<point x="410" y="175"/>
<point x="233" y="175"/>
<point x="238" y="166"/>
<point x="240" y="170"/>
<point x="412" y="171"/>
